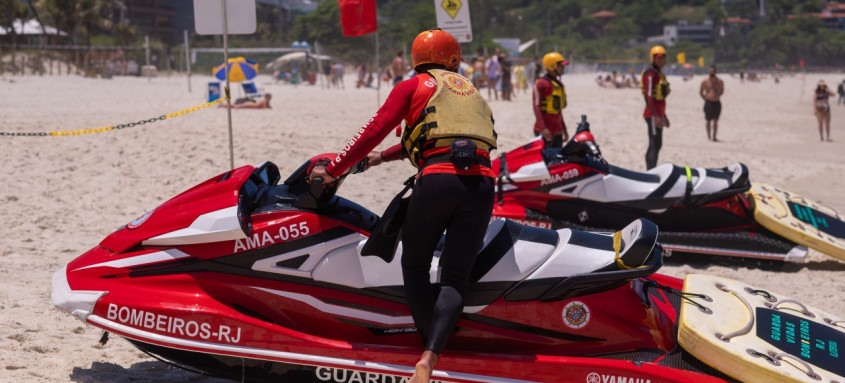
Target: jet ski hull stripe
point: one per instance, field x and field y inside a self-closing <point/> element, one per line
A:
<point x="303" y="359"/>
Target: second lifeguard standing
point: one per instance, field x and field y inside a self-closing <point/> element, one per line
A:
<point x="549" y="100"/>
<point x="655" y="89"/>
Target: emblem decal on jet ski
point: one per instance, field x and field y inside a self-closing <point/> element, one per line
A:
<point x="140" y="220"/>
<point x="576" y="314"/>
<point x="583" y="216"/>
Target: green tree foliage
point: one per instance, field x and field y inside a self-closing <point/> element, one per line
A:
<point x="786" y="34"/>
<point x="10" y="12"/>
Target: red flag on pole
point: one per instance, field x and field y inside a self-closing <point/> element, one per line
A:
<point x="357" y="17"/>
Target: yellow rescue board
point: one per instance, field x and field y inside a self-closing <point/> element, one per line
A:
<point x="754" y="335"/>
<point x="800" y="220"/>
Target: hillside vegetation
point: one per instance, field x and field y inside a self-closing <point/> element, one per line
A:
<point x="788" y="33"/>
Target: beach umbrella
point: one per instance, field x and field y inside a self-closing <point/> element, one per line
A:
<point x="240" y="69"/>
<point x="295" y="56"/>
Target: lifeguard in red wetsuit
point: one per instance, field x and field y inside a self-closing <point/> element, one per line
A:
<point x="448" y="136"/>
<point x="655" y="88"/>
<point x="549" y="100"/>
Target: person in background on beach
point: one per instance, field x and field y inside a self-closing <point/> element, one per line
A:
<point x="248" y="103"/>
<point x="507" y="81"/>
<point x="711" y="91"/>
<point x="337" y="75"/>
<point x="549" y="99"/>
<point x="521" y="78"/>
<point x="655" y="89"/>
<point x="327" y="73"/>
<point x="538" y="68"/>
<point x="361" y="69"/>
<point x="448" y="136"/>
<point x="822" y="109"/>
<point x="478" y="75"/>
<point x="494" y="70"/>
<point x="841" y="90"/>
<point x="397" y="68"/>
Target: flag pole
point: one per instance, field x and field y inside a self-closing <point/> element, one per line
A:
<point x="378" y="66"/>
<point x="378" y="70"/>
<point x="188" y="58"/>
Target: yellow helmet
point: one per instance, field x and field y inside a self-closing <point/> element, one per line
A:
<point x="657" y="50"/>
<point x="551" y="59"/>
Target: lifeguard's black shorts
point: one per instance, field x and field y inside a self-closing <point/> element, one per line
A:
<point x="712" y="110"/>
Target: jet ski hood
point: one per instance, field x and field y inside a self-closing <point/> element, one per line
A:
<point x="209" y="209"/>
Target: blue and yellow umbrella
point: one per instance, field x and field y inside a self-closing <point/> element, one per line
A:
<point x="240" y="69"/>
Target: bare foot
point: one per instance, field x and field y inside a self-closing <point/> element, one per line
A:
<point x="422" y="373"/>
<point x="829" y="139"/>
<point x="424" y="368"/>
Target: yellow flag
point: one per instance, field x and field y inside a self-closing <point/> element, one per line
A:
<point x="701" y="61"/>
<point x="682" y="58"/>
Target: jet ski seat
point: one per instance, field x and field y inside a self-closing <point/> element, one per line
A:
<point x="593" y="264"/>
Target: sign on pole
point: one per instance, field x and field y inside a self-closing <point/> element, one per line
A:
<point x="225" y="17"/>
<point x="453" y="17"/>
<point x="240" y="17"/>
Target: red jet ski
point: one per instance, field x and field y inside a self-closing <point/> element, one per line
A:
<point x="699" y="210"/>
<point x="245" y="278"/>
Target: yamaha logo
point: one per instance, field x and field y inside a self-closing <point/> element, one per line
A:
<point x="603" y="378"/>
<point x="576" y="314"/>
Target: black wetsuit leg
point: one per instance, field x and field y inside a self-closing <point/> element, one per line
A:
<point x="461" y="206"/>
<point x="655" y="141"/>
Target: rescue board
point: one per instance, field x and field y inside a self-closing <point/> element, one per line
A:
<point x="800" y="220"/>
<point x="754" y="335"/>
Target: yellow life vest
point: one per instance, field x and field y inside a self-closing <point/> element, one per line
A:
<point x="556" y="101"/>
<point x="661" y="90"/>
<point x="455" y="110"/>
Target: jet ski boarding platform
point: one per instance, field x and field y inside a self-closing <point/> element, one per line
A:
<point x="757" y="336"/>
<point x="800" y="220"/>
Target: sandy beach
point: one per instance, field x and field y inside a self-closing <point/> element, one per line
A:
<point x="61" y="195"/>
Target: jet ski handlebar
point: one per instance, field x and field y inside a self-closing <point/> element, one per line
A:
<point x="315" y="194"/>
<point x="582" y="145"/>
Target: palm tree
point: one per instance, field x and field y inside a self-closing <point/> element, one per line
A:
<point x="11" y="11"/>
<point x="66" y="16"/>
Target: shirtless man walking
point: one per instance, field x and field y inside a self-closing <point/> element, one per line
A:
<point x="711" y="91"/>
<point x="397" y="68"/>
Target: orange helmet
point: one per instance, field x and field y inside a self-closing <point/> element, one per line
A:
<point x="436" y="46"/>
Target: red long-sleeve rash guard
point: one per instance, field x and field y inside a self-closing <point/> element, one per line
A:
<point x="653" y="107"/>
<point x="553" y="122"/>
<point x="406" y="101"/>
<point x="380" y="125"/>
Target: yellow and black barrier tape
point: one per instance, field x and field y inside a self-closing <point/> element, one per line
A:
<point x="103" y="129"/>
